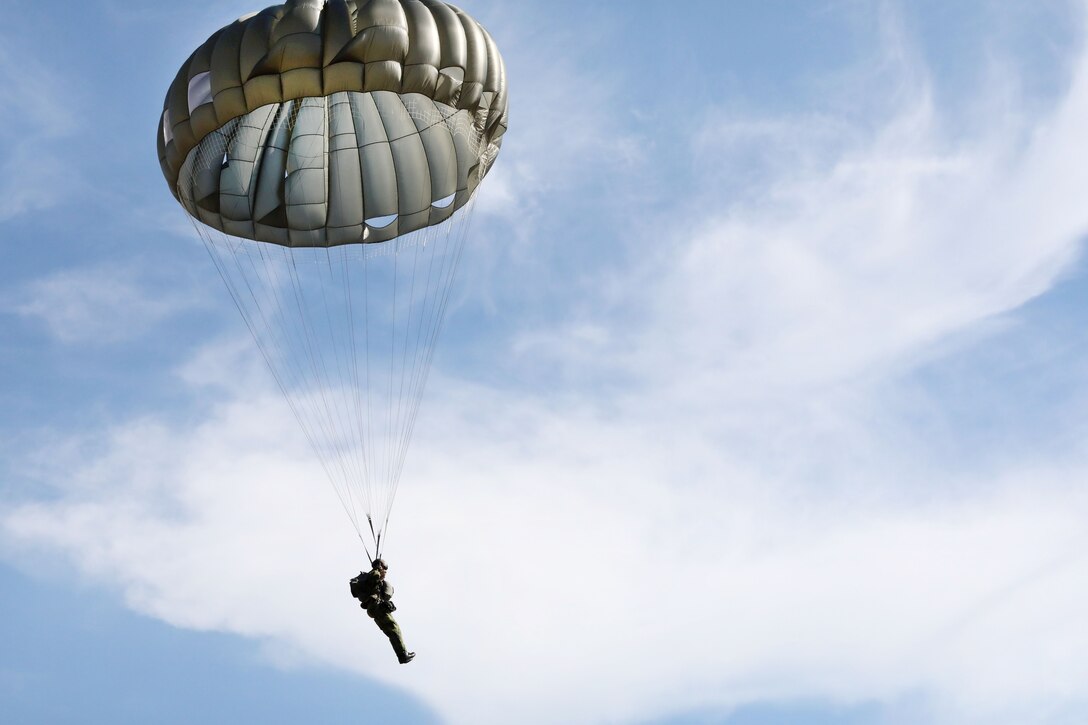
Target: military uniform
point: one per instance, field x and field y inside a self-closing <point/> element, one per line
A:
<point x="376" y="597"/>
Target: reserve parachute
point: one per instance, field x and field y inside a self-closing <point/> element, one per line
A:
<point x="328" y="154"/>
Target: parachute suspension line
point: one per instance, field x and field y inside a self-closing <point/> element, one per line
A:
<point x="453" y="248"/>
<point x="392" y="357"/>
<point x="218" y="245"/>
<point x="376" y="536"/>
<point x="344" y="266"/>
<point x="369" y="401"/>
<point x="214" y="248"/>
<point x="348" y="433"/>
<point x="401" y="413"/>
<point x="291" y="364"/>
<point x="318" y="368"/>
<point x="427" y="312"/>
<point x="366" y="551"/>
<point x="458" y="237"/>
<point x="312" y="419"/>
<point x="411" y="372"/>
<point x="319" y="372"/>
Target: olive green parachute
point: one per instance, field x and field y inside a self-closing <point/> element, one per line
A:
<point x="337" y="113"/>
<point x="328" y="154"/>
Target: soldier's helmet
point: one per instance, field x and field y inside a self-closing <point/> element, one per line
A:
<point x="380" y="564"/>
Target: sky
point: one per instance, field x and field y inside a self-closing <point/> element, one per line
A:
<point x="762" y="397"/>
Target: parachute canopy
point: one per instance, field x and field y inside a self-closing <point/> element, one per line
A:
<point x="350" y="121"/>
<point x="328" y="153"/>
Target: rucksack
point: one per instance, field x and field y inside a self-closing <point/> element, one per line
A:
<point x="356" y="585"/>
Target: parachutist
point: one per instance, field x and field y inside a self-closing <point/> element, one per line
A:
<point x="340" y="144"/>
<point x="375" y="595"/>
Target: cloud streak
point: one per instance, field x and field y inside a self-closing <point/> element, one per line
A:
<point x="32" y="117"/>
<point x="595" y="572"/>
<point x="102" y="304"/>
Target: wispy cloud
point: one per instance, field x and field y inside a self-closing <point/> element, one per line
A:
<point x="33" y="115"/>
<point x="99" y="304"/>
<point x="681" y="574"/>
<point x="854" y="246"/>
<point x="564" y="128"/>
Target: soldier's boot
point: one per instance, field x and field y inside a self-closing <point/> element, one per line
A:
<point x="406" y="657"/>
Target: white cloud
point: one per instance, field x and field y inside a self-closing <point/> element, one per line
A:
<point x="540" y="551"/>
<point x="854" y="248"/>
<point x="99" y="304"/>
<point x="32" y="116"/>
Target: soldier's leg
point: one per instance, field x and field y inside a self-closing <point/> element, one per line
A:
<point x="389" y="627"/>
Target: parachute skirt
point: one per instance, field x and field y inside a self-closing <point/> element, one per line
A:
<point x="348" y="168"/>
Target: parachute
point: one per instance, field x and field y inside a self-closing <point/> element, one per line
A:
<point x="328" y="154"/>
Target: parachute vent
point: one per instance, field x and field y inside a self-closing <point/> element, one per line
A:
<point x="381" y="222"/>
<point x="200" y="90"/>
<point x="444" y="202"/>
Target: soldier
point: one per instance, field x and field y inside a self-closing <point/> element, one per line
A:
<point x="375" y="595"/>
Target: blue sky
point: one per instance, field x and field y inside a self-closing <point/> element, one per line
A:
<point x="761" y="398"/>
